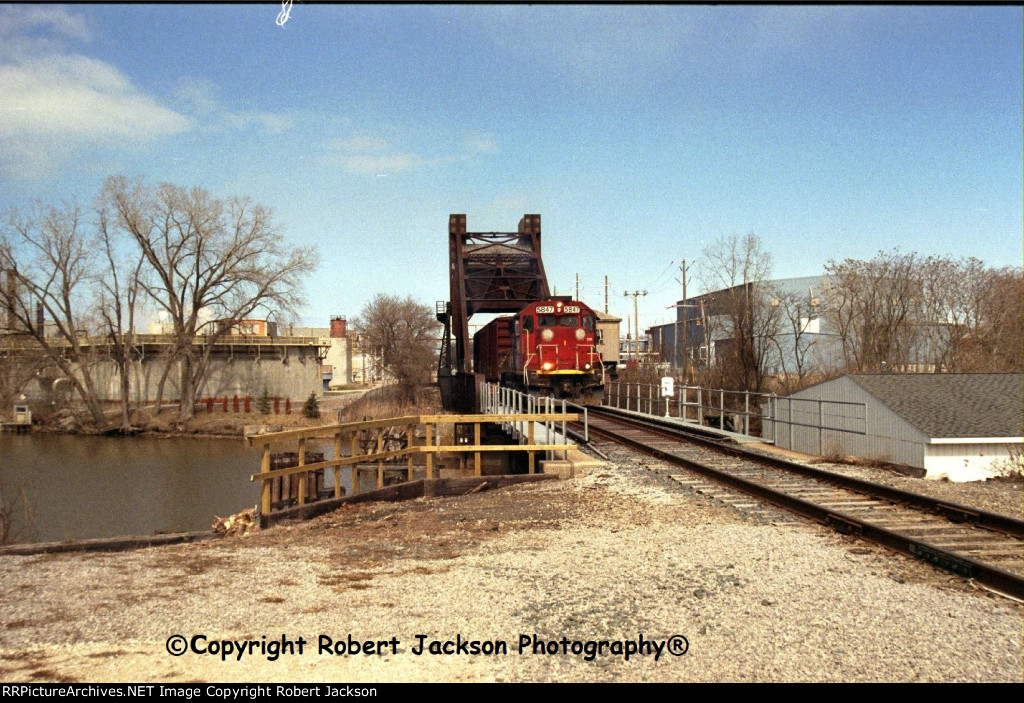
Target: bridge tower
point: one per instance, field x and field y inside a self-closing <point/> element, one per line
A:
<point x="491" y="272"/>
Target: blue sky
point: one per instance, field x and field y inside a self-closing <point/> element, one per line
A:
<point x="640" y="134"/>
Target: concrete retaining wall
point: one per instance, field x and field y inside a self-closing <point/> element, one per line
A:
<point x="295" y="377"/>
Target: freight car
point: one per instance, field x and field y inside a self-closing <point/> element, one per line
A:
<point x="549" y="348"/>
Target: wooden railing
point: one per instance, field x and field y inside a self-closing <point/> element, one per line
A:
<point x="351" y="433"/>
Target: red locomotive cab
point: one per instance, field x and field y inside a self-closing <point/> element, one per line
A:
<point x="556" y="347"/>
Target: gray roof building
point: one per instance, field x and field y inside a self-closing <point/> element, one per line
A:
<point x="958" y="426"/>
<point x="951" y="405"/>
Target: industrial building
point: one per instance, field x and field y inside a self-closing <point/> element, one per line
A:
<point x="804" y="345"/>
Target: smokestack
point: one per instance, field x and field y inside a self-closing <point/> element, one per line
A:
<point x="339" y="326"/>
<point x="40" y="319"/>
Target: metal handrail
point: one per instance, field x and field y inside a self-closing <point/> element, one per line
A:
<point x="661" y="406"/>
<point x="498" y="399"/>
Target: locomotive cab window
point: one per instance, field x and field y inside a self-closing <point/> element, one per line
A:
<point x="569" y="321"/>
<point x="528" y="323"/>
<point x="547" y="320"/>
<point x="588" y="323"/>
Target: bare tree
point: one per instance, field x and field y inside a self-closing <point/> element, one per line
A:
<point x="207" y="258"/>
<point x="741" y="268"/>
<point x="118" y="293"/>
<point x="873" y="305"/>
<point x="952" y="313"/>
<point x="937" y="313"/>
<point x="795" y="340"/>
<point x="997" y="344"/>
<point x="20" y="363"/>
<point x="405" y="333"/>
<point x="50" y="270"/>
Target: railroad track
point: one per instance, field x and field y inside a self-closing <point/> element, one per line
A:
<point x="975" y="544"/>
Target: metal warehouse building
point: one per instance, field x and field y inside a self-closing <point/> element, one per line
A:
<point x="964" y="427"/>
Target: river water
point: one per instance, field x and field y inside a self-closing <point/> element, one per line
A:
<point x="85" y="487"/>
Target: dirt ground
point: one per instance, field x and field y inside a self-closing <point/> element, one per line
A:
<point x="610" y="554"/>
<point x="617" y="552"/>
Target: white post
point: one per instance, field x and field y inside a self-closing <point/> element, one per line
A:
<point x="721" y="408"/>
<point x="746" y="412"/>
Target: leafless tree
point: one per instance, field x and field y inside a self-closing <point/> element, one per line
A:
<point x="873" y="307"/>
<point x="795" y="341"/>
<point x="741" y="268"/>
<point x="211" y="263"/>
<point x="405" y="333"/>
<point x="997" y="344"/>
<point x="936" y="313"/>
<point x="48" y="262"/>
<point x="951" y="311"/>
<point x="20" y="364"/>
<point x="118" y="295"/>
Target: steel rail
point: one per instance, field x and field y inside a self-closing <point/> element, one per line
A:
<point x="956" y="512"/>
<point x="963" y="565"/>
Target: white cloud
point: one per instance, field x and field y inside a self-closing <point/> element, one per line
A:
<point x="75" y="95"/>
<point x="360" y="144"/>
<point x="56" y="104"/>
<point x="270" y="121"/>
<point x="21" y="27"/>
<point x="274" y="122"/>
<point x="53" y="106"/>
<point x="369" y="154"/>
<point x="199" y="96"/>
<point x="388" y="163"/>
<point x="481" y="143"/>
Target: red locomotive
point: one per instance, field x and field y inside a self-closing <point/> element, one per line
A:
<point x="549" y="347"/>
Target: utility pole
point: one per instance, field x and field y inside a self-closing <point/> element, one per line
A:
<point x="681" y="337"/>
<point x="636" y="319"/>
<point x="606" y="295"/>
<point x="682" y="320"/>
<point x="577" y="287"/>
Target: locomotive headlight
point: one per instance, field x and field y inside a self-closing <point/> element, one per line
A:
<point x="547" y="334"/>
<point x="547" y="366"/>
<point x="580" y="334"/>
<point x="586" y="367"/>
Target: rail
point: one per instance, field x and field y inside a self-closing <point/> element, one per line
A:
<point x="965" y="540"/>
<point x="376" y="430"/>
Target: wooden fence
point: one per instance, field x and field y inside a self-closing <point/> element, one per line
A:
<point x="367" y="443"/>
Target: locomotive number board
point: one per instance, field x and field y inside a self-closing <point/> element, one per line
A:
<point x="547" y="309"/>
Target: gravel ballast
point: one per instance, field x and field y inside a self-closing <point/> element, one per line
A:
<point x="618" y="553"/>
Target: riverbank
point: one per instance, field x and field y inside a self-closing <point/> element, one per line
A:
<point x="614" y="555"/>
<point x="378" y="402"/>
